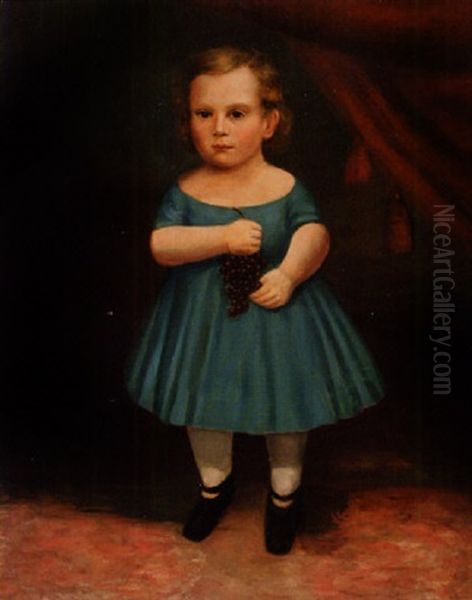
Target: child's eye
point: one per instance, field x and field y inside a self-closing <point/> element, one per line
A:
<point x="203" y="114"/>
<point x="237" y="114"/>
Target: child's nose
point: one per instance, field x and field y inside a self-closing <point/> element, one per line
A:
<point x="221" y="125"/>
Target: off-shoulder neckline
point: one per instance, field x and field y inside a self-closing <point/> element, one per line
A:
<point x="239" y="207"/>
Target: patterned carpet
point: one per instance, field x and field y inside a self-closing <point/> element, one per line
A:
<point x="390" y="542"/>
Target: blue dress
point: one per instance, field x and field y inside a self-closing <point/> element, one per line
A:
<point x="290" y="369"/>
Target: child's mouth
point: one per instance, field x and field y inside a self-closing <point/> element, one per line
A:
<point x="221" y="147"/>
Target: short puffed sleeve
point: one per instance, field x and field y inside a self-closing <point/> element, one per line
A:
<point x="171" y="210"/>
<point x="302" y="208"/>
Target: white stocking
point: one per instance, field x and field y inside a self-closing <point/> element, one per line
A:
<point x="212" y="451"/>
<point x="286" y="452"/>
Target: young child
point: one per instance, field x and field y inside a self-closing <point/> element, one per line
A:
<point x="245" y="337"/>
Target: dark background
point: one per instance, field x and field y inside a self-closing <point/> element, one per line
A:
<point x="89" y="148"/>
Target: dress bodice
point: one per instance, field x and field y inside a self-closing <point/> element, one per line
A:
<point x="278" y="218"/>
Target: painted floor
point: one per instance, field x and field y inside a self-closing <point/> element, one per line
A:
<point x="375" y="529"/>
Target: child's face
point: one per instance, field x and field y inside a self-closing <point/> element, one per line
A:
<point x="227" y="120"/>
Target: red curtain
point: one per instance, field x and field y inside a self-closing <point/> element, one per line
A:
<point x="400" y="73"/>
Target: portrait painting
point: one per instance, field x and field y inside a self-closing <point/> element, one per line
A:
<point x="236" y="282"/>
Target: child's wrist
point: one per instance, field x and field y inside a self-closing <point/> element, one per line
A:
<point x="226" y="238"/>
<point x="290" y="278"/>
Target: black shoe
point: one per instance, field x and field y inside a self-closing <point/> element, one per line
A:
<point x="207" y="512"/>
<point x="282" y="523"/>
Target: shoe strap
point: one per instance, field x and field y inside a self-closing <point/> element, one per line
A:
<point x="216" y="489"/>
<point x="286" y="497"/>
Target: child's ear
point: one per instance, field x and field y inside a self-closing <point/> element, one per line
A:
<point x="272" y="121"/>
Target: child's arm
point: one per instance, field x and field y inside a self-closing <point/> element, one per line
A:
<point x="308" y="249"/>
<point x="179" y="244"/>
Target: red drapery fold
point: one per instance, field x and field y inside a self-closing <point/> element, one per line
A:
<point x="413" y="163"/>
<point x="423" y="23"/>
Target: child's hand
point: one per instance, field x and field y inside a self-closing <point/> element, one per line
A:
<point x="243" y="237"/>
<point x="276" y="290"/>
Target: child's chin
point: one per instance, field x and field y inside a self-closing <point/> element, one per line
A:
<point x="223" y="163"/>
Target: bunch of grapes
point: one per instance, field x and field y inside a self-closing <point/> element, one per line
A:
<point x="241" y="276"/>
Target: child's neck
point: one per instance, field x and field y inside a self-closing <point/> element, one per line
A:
<point x="246" y="185"/>
<point x="249" y="172"/>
